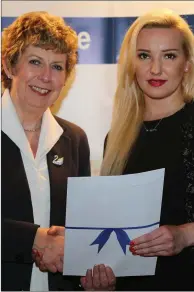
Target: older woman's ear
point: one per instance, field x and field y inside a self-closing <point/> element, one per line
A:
<point x="7" y="69"/>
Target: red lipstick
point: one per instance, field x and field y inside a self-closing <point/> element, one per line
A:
<point x="156" y="82"/>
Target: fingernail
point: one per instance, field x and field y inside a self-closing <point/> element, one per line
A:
<point x="39" y="254"/>
<point x="131" y="249"/>
<point x="132" y="243"/>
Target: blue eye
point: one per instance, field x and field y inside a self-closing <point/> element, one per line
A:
<point x="57" y="67"/>
<point x="34" y="62"/>
<point x="143" y="56"/>
<point x="170" y="56"/>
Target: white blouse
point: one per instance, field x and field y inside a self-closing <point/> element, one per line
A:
<point x="36" y="170"/>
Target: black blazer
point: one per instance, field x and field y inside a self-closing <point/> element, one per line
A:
<point x="18" y="228"/>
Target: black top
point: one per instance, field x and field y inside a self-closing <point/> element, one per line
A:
<point x="17" y="224"/>
<point x="163" y="149"/>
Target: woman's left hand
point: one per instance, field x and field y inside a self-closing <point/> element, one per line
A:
<point x="166" y="240"/>
<point x="102" y="279"/>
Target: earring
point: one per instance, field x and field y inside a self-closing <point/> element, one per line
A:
<point x="9" y="77"/>
<point x="186" y="69"/>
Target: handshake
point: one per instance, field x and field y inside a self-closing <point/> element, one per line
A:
<point x="48" y="249"/>
<point x="48" y="253"/>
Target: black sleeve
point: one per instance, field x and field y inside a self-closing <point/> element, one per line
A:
<point x="83" y="170"/>
<point x="17" y="240"/>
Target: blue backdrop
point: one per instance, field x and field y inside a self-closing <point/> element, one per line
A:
<point x="106" y="34"/>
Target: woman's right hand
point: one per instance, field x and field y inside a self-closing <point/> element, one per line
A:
<point x="48" y="249"/>
<point x="166" y="240"/>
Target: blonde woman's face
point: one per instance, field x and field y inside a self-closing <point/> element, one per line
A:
<point x="160" y="62"/>
<point x="38" y="78"/>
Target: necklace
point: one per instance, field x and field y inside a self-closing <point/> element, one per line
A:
<point x="152" y="129"/>
<point x="155" y="128"/>
<point x="32" y="129"/>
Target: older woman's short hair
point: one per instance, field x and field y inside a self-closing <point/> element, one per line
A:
<point x="39" y="29"/>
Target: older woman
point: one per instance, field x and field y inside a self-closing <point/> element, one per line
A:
<point x="152" y="128"/>
<point x="39" y="152"/>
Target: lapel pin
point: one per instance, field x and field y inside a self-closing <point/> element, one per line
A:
<point x="58" y="160"/>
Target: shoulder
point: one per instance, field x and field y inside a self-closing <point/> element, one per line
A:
<point x="187" y="126"/>
<point x="79" y="144"/>
<point x="188" y="117"/>
<point x="190" y="108"/>
<point x="72" y="130"/>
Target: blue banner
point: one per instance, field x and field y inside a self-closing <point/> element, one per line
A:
<point x="100" y="38"/>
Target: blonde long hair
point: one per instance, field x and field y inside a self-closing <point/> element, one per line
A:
<point x="128" y="109"/>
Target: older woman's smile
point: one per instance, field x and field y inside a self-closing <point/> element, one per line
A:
<point x="39" y="90"/>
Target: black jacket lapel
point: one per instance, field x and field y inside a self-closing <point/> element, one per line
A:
<point x="58" y="179"/>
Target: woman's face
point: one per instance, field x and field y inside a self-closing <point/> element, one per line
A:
<point x="160" y="62"/>
<point x="38" y="78"/>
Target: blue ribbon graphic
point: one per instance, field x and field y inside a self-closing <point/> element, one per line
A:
<point x="122" y="238"/>
<point x="103" y="237"/>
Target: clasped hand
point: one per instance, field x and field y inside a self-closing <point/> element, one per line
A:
<point x="50" y="258"/>
<point x="48" y="255"/>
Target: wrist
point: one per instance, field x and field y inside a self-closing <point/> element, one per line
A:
<point x="41" y="240"/>
<point x="188" y="234"/>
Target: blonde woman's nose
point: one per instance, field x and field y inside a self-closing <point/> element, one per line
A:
<point x="156" y="67"/>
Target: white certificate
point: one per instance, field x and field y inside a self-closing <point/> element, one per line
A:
<point x="103" y="214"/>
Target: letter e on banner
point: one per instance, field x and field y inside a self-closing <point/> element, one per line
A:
<point x="84" y="40"/>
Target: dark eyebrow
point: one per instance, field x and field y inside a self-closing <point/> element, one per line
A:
<point x="167" y="50"/>
<point x="54" y="62"/>
<point x="58" y="62"/>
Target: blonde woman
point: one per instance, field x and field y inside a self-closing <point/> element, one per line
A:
<point x="153" y="127"/>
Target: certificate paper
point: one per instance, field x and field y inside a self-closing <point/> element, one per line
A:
<point x="103" y="214"/>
